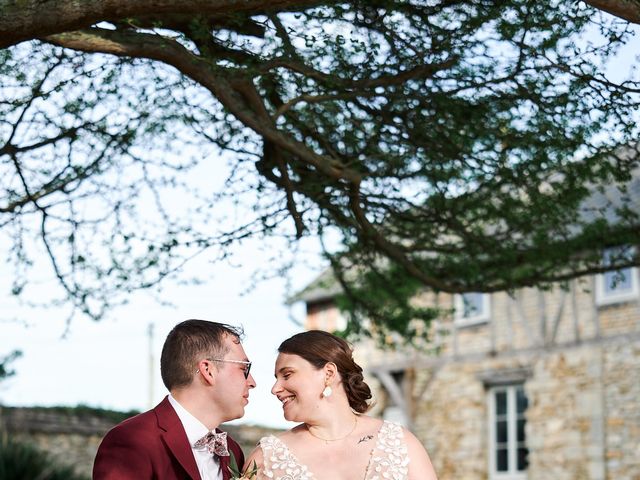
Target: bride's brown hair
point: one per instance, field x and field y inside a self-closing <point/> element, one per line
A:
<point x="319" y="348"/>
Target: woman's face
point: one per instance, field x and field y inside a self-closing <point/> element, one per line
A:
<point x="298" y="386"/>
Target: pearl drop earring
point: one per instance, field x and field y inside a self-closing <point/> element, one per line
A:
<point x="327" y="391"/>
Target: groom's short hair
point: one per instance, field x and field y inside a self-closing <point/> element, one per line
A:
<point x="188" y="343"/>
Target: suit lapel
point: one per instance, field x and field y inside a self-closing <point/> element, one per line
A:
<point x="175" y="438"/>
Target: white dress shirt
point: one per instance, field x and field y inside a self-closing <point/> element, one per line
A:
<point x="208" y="464"/>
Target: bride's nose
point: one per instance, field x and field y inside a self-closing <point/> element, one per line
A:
<point x="276" y="388"/>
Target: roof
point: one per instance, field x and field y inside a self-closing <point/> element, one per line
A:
<point x="324" y="287"/>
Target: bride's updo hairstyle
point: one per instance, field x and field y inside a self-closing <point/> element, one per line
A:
<point x="319" y="348"/>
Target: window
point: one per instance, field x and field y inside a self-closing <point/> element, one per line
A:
<point x="508" y="453"/>
<point x="472" y="308"/>
<point x="617" y="285"/>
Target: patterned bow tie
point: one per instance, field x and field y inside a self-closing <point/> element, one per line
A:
<point x="215" y="443"/>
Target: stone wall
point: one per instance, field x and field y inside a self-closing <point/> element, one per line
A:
<point x="566" y="416"/>
<point x="583" y="420"/>
<point x="72" y="438"/>
<point x="450" y="421"/>
<point x="622" y="403"/>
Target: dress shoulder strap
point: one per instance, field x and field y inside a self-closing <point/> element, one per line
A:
<point x="390" y="459"/>
<point x="279" y="462"/>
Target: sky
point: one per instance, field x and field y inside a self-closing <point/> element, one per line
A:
<point x="107" y="364"/>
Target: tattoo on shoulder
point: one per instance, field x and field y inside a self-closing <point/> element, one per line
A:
<point x="366" y="438"/>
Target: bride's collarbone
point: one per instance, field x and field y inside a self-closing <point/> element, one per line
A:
<point x="350" y="447"/>
<point x="337" y="460"/>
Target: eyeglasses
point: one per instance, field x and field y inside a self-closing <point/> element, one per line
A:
<point x="247" y="365"/>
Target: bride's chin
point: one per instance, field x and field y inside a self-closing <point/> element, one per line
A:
<point x="289" y="416"/>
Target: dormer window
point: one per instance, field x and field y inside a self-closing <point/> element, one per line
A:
<point x="616" y="286"/>
<point x="472" y="308"/>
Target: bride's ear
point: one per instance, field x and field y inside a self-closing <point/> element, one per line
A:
<point x="330" y="371"/>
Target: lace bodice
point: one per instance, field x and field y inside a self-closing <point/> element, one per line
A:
<point x="389" y="458"/>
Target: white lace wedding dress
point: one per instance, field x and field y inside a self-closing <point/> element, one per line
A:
<point x="389" y="458"/>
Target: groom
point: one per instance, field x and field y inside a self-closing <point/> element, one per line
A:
<point x="206" y="371"/>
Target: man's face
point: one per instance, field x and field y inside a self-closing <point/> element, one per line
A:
<point x="231" y="388"/>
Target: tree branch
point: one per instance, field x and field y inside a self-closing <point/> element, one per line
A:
<point x="418" y="72"/>
<point x="30" y="19"/>
<point x="391" y="250"/>
<point x="626" y="9"/>
<point x="219" y="83"/>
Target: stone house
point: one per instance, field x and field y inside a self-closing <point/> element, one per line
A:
<point x="540" y="384"/>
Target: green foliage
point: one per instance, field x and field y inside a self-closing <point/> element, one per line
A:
<point x="21" y="461"/>
<point x="454" y="146"/>
<point x="236" y="471"/>
<point x="379" y="302"/>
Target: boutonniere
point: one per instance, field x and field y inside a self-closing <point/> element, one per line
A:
<point x="236" y="473"/>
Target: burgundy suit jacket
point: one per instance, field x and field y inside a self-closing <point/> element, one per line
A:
<point x="153" y="446"/>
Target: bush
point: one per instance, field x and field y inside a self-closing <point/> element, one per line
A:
<point x="21" y="461"/>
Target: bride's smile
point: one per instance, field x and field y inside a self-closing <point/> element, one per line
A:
<point x="286" y="400"/>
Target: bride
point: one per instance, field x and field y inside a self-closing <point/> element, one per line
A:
<point x="321" y="386"/>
